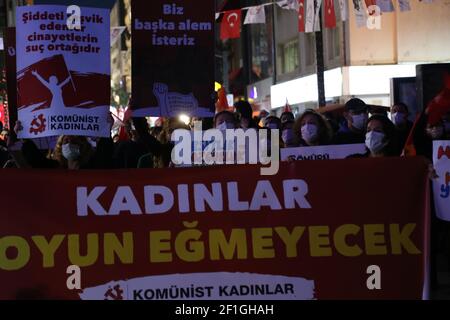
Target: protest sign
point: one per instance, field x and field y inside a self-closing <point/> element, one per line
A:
<point x="441" y="184"/>
<point x="173" y="58"/>
<point x="218" y="233"/>
<point x="63" y="74"/>
<point x="322" y="152"/>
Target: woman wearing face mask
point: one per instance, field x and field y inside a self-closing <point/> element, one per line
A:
<point x="288" y="135"/>
<point x="312" y="129"/>
<point x="72" y="152"/>
<point x="381" y="138"/>
<point x="427" y="129"/>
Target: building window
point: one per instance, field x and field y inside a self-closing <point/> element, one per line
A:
<point x="310" y="49"/>
<point x="290" y="56"/>
<point x="333" y="42"/>
<point x="260" y="46"/>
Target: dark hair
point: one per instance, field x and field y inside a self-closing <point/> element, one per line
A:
<point x="244" y="108"/>
<point x="392" y="149"/>
<point x="325" y="131"/>
<point x="275" y="118"/>
<point x="401" y="104"/>
<point x="288" y="114"/>
<point x="286" y="123"/>
<point x="355" y="104"/>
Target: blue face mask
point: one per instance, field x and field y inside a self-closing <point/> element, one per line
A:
<point x="359" y="121"/>
<point x="225" y="125"/>
<point x="398" y="118"/>
<point x="71" y="151"/>
<point x="309" y="132"/>
<point x="375" y="141"/>
<point x="288" y="136"/>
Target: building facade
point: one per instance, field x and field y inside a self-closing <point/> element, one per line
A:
<point x="275" y="63"/>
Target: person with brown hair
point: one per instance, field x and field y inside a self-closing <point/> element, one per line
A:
<point x="381" y="137"/>
<point x="312" y="129"/>
<point x="72" y="152"/>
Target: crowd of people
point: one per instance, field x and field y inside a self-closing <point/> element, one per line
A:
<point x="138" y="145"/>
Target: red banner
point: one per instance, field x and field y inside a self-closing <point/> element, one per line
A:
<point x="334" y="229"/>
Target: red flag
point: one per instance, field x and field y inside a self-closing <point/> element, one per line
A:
<point x="330" y="16"/>
<point x="123" y="136"/>
<point x="301" y="15"/>
<point x="287" y="107"/>
<point x="230" y="28"/>
<point x="440" y="104"/>
<point x="3" y="114"/>
<point x="222" y="102"/>
<point x="409" y="150"/>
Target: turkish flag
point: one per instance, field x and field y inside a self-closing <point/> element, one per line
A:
<point x="230" y="27"/>
<point x="301" y="15"/>
<point x="330" y="16"/>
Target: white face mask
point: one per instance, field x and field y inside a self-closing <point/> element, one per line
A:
<point x="398" y="118"/>
<point x="359" y="121"/>
<point x="309" y="132"/>
<point x="435" y="132"/>
<point x="375" y="141"/>
<point x="71" y="151"/>
<point x="225" y="125"/>
<point x="288" y="136"/>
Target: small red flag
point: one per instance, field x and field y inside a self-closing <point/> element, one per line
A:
<point x="301" y="15"/>
<point x="409" y="150"/>
<point x="287" y="107"/>
<point x="330" y="16"/>
<point x="440" y="104"/>
<point x="230" y="28"/>
<point x="222" y="102"/>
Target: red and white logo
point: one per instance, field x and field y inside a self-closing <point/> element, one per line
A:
<point x="38" y="124"/>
